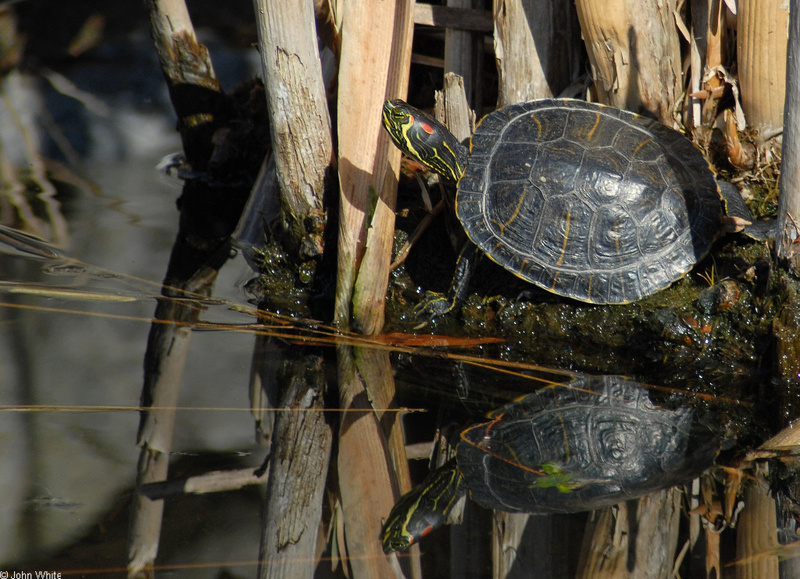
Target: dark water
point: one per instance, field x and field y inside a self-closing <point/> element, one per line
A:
<point x="72" y="365"/>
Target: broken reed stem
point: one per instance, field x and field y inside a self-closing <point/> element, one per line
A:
<point x="210" y="482"/>
<point x="788" y="234"/>
<point x="300" y="123"/>
<point x="195" y="95"/>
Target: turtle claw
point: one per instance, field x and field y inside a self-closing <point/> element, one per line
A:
<point x="433" y="305"/>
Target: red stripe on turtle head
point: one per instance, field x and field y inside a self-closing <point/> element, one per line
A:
<point x="426" y="127"/>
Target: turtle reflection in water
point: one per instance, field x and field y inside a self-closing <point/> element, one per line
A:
<point x="588" y="444"/>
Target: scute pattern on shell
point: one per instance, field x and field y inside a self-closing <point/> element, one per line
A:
<point x="588" y="201"/>
<point x="603" y="437"/>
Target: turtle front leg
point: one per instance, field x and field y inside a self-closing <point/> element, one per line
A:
<point x="435" y="304"/>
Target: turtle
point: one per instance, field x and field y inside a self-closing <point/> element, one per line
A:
<point x="587" y="201"/>
<point x="579" y="446"/>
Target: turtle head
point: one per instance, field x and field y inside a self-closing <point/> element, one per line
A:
<point x="425" y="139"/>
<point x="424" y="509"/>
<point x="407" y="524"/>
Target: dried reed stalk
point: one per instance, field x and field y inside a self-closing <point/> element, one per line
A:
<point x="757" y="535"/>
<point x="762" y="32"/>
<point x="375" y="59"/>
<point x="635" y="54"/>
<point x="788" y="235"/>
<point x="460" y="51"/>
<point x="194" y="92"/>
<point x="299" y="120"/>
<point x="537" y="47"/>
<point x="199" y="252"/>
<point x="367" y="482"/>
<point x="164" y="363"/>
<point x="635" y="539"/>
<point x="298" y="469"/>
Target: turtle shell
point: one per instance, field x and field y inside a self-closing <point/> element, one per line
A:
<point x="588" y="201"/>
<point x="588" y="444"/>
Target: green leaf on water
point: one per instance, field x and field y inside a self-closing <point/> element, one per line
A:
<point x="557" y="477"/>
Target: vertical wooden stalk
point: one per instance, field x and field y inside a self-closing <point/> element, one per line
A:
<point x="535" y="545"/>
<point x="376" y="37"/>
<point x="368" y="479"/>
<point x="197" y="255"/>
<point x="193" y="87"/>
<point x="788" y="235"/>
<point x="264" y="386"/>
<point x="634" y="51"/>
<point x="459" y="51"/>
<point x="757" y="534"/>
<point x="165" y="360"/>
<point x="510" y="550"/>
<point x="452" y="110"/>
<point x="637" y="538"/>
<point x="299" y="120"/>
<point x="762" y="31"/>
<point x="458" y="117"/>
<point x="298" y="469"/>
<point x="537" y="46"/>
<point x="375" y="368"/>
